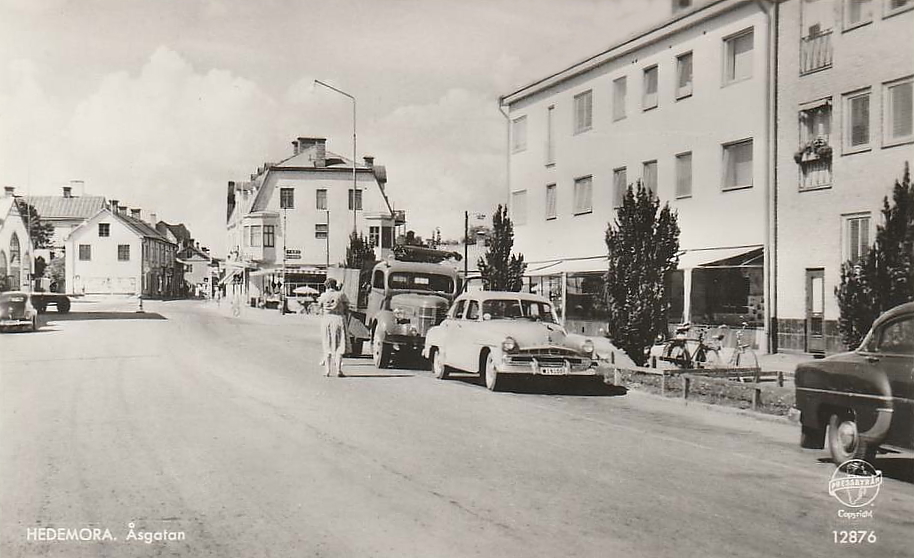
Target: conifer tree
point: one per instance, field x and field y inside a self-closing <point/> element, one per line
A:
<point x="500" y="269"/>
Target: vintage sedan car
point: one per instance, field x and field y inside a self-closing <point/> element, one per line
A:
<point x="17" y="311"/>
<point x="502" y="334"/>
<point x="858" y="401"/>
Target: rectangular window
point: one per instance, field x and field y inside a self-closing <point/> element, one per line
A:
<point x="857" y="121"/>
<point x="649" y="96"/>
<point x="287" y="198"/>
<point x="620" y="92"/>
<point x="814" y="153"/>
<point x="320" y="230"/>
<point x="550" y="140"/>
<point x="269" y="236"/>
<point x="684" y="175"/>
<point x="245" y="237"/>
<point x="856" y="236"/>
<point x="899" y="112"/>
<point x="738" y="57"/>
<point x="551" y="210"/>
<point x="355" y="200"/>
<point x="620" y="186"/>
<point x="684" y="75"/>
<point x="583" y="111"/>
<point x="649" y="175"/>
<point x="738" y="165"/>
<point x="320" y="199"/>
<point x="85" y="252"/>
<point x="519" y="207"/>
<point x="857" y="12"/>
<point x="583" y="195"/>
<point x="895" y="6"/>
<point x="374" y="235"/>
<point x="104" y="229"/>
<point x="123" y="252"/>
<point x="256" y="237"/>
<point x="519" y="134"/>
<point x="387" y="237"/>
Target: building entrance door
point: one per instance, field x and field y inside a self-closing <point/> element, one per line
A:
<point x="815" y="311"/>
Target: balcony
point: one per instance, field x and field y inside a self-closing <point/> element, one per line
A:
<point x="815" y="174"/>
<point x="815" y="52"/>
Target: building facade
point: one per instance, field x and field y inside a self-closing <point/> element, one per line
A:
<point x="845" y="131"/>
<point x="293" y="219"/>
<point x="683" y="108"/>
<point x="15" y="245"/>
<point x="114" y="252"/>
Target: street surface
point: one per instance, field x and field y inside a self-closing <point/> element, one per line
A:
<point x="223" y="429"/>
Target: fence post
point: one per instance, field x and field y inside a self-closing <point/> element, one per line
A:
<point x="617" y="377"/>
<point x="653" y="362"/>
<point x="686" y="381"/>
<point x="756" y="396"/>
<point x="780" y="379"/>
<point x="612" y="357"/>
<point x="663" y="383"/>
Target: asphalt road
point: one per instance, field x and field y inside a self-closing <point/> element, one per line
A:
<point x="223" y="430"/>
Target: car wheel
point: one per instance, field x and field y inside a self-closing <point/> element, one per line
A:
<point x="438" y="367"/>
<point x="844" y="441"/>
<point x="493" y="381"/>
<point x="63" y="305"/>
<point x="380" y="351"/>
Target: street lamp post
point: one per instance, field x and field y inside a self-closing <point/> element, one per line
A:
<point x="466" y="243"/>
<point x="282" y="294"/>
<point x="328" y="240"/>
<point x="355" y="187"/>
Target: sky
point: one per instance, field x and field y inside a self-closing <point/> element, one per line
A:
<point x="159" y="103"/>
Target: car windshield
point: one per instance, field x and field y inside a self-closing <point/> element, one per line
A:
<point x="7" y="297"/>
<point x="422" y="282"/>
<point x="516" y="309"/>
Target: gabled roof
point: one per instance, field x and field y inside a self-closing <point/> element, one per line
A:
<point x="140" y="228"/>
<point x="179" y="231"/>
<point x="305" y="160"/>
<point x="60" y="207"/>
<point x="192" y="252"/>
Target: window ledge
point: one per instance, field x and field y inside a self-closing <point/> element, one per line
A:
<point x="553" y="218"/>
<point x="857" y="25"/>
<point x="619" y="118"/>
<point x="583" y="130"/>
<point x="517" y="150"/>
<point x="684" y="96"/>
<point x="550" y="165"/>
<point x="896" y="142"/>
<point x="857" y="149"/>
<point x="815" y="70"/>
<point x="726" y="83"/>
<point x="588" y="212"/>
<point x="684" y="197"/>
<point x="645" y="109"/>
<point x="814" y="188"/>
<point x="736" y="188"/>
<point x="897" y="11"/>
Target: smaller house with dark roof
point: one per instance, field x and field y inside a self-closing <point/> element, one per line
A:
<point x="65" y="212"/>
<point x="113" y="252"/>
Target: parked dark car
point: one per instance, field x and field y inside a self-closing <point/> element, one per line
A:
<point x="17" y="311"/>
<point x="859" y="401"/>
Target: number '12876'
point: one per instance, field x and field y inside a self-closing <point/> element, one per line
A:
<point x="854" y="537"/>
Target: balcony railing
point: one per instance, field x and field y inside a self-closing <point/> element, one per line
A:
<point x="815" y="52"/>
<point x="815" y="174"/>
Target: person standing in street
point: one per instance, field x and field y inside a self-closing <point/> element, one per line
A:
<point x="334" y="306"/>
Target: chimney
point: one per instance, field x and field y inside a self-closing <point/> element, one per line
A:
<point x="135" y="213"/>
<point x="78" y="187"/>
<point x="197" y="244"/>
<point x="9" y="190"/>
<point x="122" y="209"/>
<point x="68" y="191"/>
<point x="295" y="150"/>
<point x="369" y="161"/>
<point x="152" y="219"/>
<point x="319" y="145"/>
<point x="112" y="204"/>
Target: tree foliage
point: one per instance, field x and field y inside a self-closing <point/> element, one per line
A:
<point x="360" y="253"/>
<point x="39" y="231"/>
<point x="884" y="276"/>
<point x="500" y="269"/>
<point x="643" y="246"/>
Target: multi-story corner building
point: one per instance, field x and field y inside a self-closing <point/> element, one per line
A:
<point x="114" y="252"/>
<point x="845" y="101"/>
<point x="15" y="245"/>
<point x="293" y="218"/>
<point x="683" y="108"/>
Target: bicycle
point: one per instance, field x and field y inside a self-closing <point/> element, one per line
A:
<point x="743" y="354"/>
<point x="676" y="350"/>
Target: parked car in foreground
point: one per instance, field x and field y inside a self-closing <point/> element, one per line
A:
<point x="856" y="402"/>
<point x="17" y="311"/>
<point x="503" y="334"/>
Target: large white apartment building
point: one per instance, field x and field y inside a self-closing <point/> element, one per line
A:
<point x="845" y="121"/>
<point x="682" y="107"/>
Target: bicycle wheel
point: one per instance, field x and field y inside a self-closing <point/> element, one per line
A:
<point x="708" y="358"/>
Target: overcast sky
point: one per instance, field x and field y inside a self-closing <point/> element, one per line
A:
<point x="158" y="103"/>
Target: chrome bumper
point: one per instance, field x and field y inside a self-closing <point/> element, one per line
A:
<point x="550" y="367"/>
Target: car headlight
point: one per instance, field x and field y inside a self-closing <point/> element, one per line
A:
<point x="509" y="345"/>
<point x="587" y="347"/>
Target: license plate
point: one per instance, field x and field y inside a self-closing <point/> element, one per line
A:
<point x="553" y="371"/>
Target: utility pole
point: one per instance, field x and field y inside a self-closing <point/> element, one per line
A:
<point x="355" y="186"/>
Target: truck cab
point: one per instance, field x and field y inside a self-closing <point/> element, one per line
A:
<point x="405" y="300"/>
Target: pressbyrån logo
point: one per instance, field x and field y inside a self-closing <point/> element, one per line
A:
<point x="855" y="483"/>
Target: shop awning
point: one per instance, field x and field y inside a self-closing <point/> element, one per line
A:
<point x="595" y="264"/>
<point x="230" y="275"/>
<point x="744" y="256"/>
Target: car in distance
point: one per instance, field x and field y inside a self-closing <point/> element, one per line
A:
<point x="856" y="402"/>
<point x="505" y="334"/>
<point x="17" y="311"/>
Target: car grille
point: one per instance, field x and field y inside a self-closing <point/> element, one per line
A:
<point x="427" y="317"/>
<point x="546" y="359"/>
